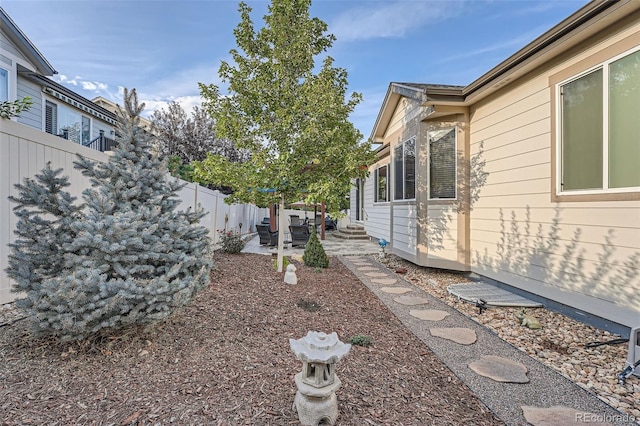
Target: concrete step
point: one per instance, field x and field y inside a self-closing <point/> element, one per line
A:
<point x="352" y="231"/>
<point x="343" y="234"/>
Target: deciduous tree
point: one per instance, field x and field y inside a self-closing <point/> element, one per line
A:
<point x="289" y="112"/>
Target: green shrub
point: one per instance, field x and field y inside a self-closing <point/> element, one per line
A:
<point x="231" y="241"/>
<point x="314" y="254"/>
<point x="360" y="340"/>
<point x="285" y="263"/>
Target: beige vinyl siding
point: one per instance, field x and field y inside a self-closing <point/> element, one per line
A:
<point x="406" y="111"/>
<point x="442" y="232"/>
<point x="583" y="254"/>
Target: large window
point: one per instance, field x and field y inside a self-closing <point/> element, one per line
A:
<point x="600" y="127"/>
<point x="404" y="164"/>
<point x="4" y="85"/>
<point x="381" y="185"/>
<point x="67" y="123"/>
<point x="442" y="163"/>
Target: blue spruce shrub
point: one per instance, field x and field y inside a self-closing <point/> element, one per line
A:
<point x="130" y="257"/>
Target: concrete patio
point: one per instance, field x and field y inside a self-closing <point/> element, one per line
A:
<point x="332" y="246"/>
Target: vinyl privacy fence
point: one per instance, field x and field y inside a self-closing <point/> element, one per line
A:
<point x="25" y="151"/>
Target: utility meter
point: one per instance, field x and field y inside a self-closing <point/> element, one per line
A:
<point x="633" y="359"/>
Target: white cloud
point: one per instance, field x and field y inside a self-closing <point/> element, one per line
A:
<point x="391" y="20"/>
<point x="94" y="86"/>
<point x="186" y="102"/>
<point x="511" y="45"/>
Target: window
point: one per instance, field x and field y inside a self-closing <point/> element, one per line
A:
<point x="67" y="123"/>
<point x="381" y="185"/>
<point x="599" y="127"/>
<point x="4" y="85"/>
<point x="442" y="163"/>
<point x="51" y="118"/>
<point x="404" y="164"/>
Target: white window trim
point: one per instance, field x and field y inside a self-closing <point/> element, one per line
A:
<point x="605" y="130"/>
<point x="455" y="151"/>
<point x="375" y="183"/>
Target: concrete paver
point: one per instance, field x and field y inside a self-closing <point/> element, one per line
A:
<point x="546" y="388"/>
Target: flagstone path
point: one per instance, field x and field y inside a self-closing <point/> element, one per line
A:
<point x="517" y="388"/>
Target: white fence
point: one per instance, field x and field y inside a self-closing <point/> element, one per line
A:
<point x="25" y="151"/>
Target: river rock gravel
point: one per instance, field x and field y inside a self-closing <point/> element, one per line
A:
<point x="559" y="344"/>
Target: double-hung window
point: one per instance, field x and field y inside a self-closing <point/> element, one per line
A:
<point x="599" y="131"/>
<point x="404" y="164"/>
<point x="381" y="184"/>
<point x="442" y="163"/>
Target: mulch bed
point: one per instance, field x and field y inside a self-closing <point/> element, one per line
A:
<point x="226" y="360"/>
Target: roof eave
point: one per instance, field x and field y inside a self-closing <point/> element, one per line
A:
<point x="577" y="19"/>
<point x="24" y="44"/>
<point x="391" y="99"/>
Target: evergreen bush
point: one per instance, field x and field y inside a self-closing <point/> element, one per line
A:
<point x="231" y="241"/>
<point x="314" y="254"/>
<point x="126" y="257"/>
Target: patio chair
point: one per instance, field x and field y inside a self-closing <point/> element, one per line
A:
<point x="267" y="237"/>
<point x="299" y="235"/>
<point x="295" y="219"/>
<point x="330" y="224"/>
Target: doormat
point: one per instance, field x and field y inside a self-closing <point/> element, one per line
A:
<point x="491" y="295"/>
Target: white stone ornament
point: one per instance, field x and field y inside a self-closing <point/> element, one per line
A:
<point x="290" y="276"/>
<point x="315" y="399"/>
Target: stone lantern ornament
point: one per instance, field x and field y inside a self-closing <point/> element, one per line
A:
<point x="317" y="383"/>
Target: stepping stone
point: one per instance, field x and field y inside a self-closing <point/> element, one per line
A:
<point x="367" y="268"/>
<point x="385" y="281"/>
<point x="463" y="336"/>
<point x="410" y="300"/>
<point x="429" y="314"/>
<point x="500" y="369"/>
<point x="376" y="274"/>
<point x="559" y="416"/>
<point x="395" y="290"/>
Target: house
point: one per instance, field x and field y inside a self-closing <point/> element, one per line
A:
<point x="529" y="176"/>
<point x="24" y="71"/>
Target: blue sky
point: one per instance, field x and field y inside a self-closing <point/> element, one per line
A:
<point x="164" y="48"/>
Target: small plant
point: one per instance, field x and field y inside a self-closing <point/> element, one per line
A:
<point x="360" y="340"/>
<point x="285" y="263"/>
<point x="231" y="241"/>
<point x="314" y="254"/>
<point x="10" y="109"/>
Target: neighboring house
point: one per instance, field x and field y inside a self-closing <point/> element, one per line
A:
<point x="113" y="107"/>
<point x="24" y="71"/>
<point x="530" y="175"/>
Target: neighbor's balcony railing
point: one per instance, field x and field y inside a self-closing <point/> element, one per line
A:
<point x="101" y="143"/>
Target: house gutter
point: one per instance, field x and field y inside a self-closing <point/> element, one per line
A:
<point x="579" y="18"/>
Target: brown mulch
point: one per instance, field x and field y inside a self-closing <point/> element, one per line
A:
<point x="226" y="360"/>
